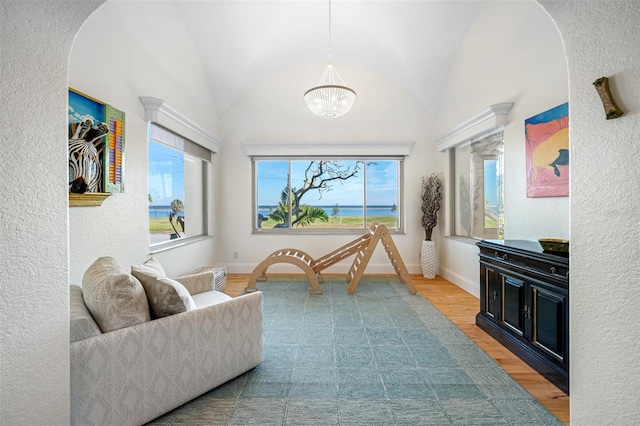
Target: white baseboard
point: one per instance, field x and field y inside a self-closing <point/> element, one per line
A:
<point x="339" y="268"/>
<point x="464" y="283"/>
<point x="467" y="285"/>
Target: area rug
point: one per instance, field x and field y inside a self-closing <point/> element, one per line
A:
<point x="378" y="357"/>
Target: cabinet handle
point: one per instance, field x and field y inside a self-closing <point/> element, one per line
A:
<point x="495" y="294"/>
<point x="554" y="271"/>
<point x="526" y="312"/>
<point x="503" y="257"/>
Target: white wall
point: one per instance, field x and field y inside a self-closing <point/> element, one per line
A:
<point x="151" y="54"/>
<point x="602" y="39"/>
<point x="512" y="53"/>
<point x="262" y="116"/>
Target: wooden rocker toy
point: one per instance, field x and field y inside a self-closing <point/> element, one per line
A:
<point x="362" y="247"/>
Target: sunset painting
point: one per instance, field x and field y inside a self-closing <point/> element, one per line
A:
<point x="547" y="151"/>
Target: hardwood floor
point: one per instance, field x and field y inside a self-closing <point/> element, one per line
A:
<point x="461" y="308"/>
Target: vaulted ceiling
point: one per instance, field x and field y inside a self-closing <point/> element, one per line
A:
<point x="412" y="43"/>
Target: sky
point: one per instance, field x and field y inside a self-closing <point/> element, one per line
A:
<point x="490" y="182"/>
<point x="382" y="184"/>
<point x="166" y="174"/>
<point x="166" y="181"/>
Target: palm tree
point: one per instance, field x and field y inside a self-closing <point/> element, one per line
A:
<point x="301" y="215"/>
<point x="176" y="206"/>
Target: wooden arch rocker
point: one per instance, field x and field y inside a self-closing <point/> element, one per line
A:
<point x="363" y="247"/>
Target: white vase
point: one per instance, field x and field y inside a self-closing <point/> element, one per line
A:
<point x="429" y="259"/>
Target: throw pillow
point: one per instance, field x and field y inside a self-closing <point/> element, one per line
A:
<point x="148" y="272"/>
<point x="166" y="296"/>
<point x="115" y="298"/>
<point x="169" y="297"/>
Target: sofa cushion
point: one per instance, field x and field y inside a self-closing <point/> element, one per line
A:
<point x="82" y="325"/>
<point x="197" y="283"/>
<point x="115" y="298"/>
<point x="209" y="298"/>
<point x="166" y="296"/>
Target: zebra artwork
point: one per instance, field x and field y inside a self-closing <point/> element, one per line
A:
<point x="85" y="147"/>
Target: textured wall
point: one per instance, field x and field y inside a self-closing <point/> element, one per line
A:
<point x="34" y="314"/>
<point x="602" y="39"/>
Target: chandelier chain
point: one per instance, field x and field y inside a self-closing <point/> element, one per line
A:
<point x="330" y="32"/>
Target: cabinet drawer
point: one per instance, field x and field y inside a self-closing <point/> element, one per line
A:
<point x="555" y="271"/>
<point x="503" y="256"/>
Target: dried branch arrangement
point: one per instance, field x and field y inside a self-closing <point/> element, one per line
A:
<point x="431" y="198"/>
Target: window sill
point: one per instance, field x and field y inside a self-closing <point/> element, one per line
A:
<point x="284" y="231"/>
<point x="158" y="248"/>
<point x="466" y="240"/>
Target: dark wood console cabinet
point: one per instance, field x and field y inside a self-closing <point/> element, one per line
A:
<point x="524" y="304"/>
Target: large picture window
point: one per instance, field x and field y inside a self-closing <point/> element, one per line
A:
<point x="479" y="188"/>
<point x="326" y="194"/>
<point x="177" y="187"/>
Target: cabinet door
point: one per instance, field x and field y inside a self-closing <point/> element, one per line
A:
<point x="513" y="303"/>
<point x="490" y="297"/>
<point x="549" y="316"/>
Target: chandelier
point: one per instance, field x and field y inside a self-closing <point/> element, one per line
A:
<point x="331" y="98"/>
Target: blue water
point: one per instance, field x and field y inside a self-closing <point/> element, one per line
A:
<point x="161" y="211"/>
<point x="345" y="211"/>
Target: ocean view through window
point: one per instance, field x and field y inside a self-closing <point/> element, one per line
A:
<point x="178" y="170"/>
<point x="326" y="195"/>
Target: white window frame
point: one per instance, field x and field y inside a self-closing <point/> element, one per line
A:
<point x="196" y="164"/>
<point x="487" y="147"/>
<point x="488" y="121"/>
<point x="310" y="230"/>
<point x="161" y="113"/>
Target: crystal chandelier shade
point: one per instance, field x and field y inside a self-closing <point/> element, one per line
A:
<point x="331" y="98"/>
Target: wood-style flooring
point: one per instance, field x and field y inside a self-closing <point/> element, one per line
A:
<point x="461" y="308"/>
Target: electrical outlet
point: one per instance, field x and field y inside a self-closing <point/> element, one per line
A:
<point x="235" y="255"/>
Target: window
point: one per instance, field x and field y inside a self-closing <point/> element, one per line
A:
<point x="478" y="188"/>
<point x="317" y="195"/>
<point x="177" y="187"/>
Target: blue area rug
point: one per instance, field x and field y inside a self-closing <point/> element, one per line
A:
<point x="378" y="357"/>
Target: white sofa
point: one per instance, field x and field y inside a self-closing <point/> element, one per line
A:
<point x="146" y="367"/>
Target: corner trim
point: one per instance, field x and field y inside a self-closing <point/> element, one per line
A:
<point x="160" y="112"/>
<point x="475" y="126"/>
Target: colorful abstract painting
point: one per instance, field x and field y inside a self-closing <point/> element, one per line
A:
<point x="110" y="147"/>
<point x="547" y="151"/>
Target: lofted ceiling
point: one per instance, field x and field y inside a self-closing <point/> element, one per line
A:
<point x="411" y="43"/>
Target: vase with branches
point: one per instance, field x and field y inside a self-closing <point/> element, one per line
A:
<point x="431" y="199"/>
